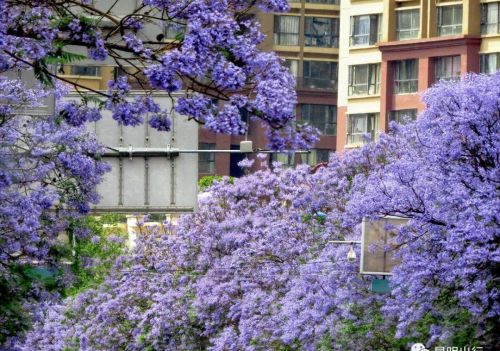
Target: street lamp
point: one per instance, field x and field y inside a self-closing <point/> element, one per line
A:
<point x="351" y="255"/>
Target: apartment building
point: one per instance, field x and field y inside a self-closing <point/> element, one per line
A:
<point x="307" y="38"/>
<point x="358" y="64"/>
<point x="392" y="50"/>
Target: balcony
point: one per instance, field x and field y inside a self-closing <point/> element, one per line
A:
<point x="308" y="83"/>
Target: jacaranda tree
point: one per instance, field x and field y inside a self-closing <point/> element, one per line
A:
<point x="253" y="269"/>
<point x="48" y="174"/>
<point x="214" y="62"/>
<point x="49" y="165"/>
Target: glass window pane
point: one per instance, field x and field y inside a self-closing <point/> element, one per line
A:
<point x="286" y="30"/>
<point x="359" y="125"/>
<point x="174" y="30"/>
<point x="321" y="31"/>
<point x="407" y="24"/>
<point x="85" y="71"/>
<point x="403" y="116"/>
<point x="320" y="74"/>
<point x="293" y="66"/>
<point x="406" y="76"/>
<point x="364" y="79"/>
<point x="450" y="20"/>
<point x="448" y="68"/>
<point x="206" y="160"/>
<point x="323" y="117"/>
<point x="360" y="30"/>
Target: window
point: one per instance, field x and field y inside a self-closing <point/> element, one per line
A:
<point x="206" y="160"/>
<point x="364" y="79"/>
<point x="320" y="74"/>
<point x="322" y="32"/>
<point x="407" y="24"/>
<point x="286" y="30"/>
<point x="449" y="20"/>
<point x="447" y="68"/>
<point x="92" y="71"/>
<point x="359" y="125"/>
<point x="405" y="76"/>
<point x="489" y="63"/>
<point x="316" y="156"/>
<point x="286" y="159"/>
<point x="323" y="117"/>
<point x="490" y="18"/>
<point x="293" y="66"/>
<point x="244" y="114"/>
<point x="365" y="30"/>
<point x="174" y="30"/>
<point x="402" y="116"/>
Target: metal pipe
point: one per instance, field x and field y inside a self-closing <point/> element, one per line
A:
<point x="172" y="152"/>
<point x="344" y="242"/>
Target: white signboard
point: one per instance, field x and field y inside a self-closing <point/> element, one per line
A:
<point x="27" y="77"/>
<point x="377" y="248"/>
<point x="145" y="177"/>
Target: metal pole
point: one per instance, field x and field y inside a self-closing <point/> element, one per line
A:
<point x="344" y="242"/>
<point x="172" y="152"/>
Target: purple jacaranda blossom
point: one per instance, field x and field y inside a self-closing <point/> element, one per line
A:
<point x="254" y="269"/>
<point x="217" y="56"/>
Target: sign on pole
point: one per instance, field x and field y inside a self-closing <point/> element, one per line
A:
<point x="377" y="249"/>
<point x="27" y="77"/>
<point x="148" y="181"/>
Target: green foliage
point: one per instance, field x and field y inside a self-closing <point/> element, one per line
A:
<point x="95" y="254"/>
<point x="16" y="284"/>
<point x="92" y="99"/>
<point x="18" y="281"/>
<point x="63" y="57"/>
<point x="206" y="182"/>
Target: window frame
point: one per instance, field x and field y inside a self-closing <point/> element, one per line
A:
<point x="456" y="28"/>
<point x="403" y="84"/>
<point x="210" y="161"/>
<point x="332" y="38"/>
<point x="96" y="73"/>
<point x="326" y="2"/>
<point x="372" y="68"/>
<point x="293" y="66"/>
<point x="312" y="82"/>
<point x="440" y="61"/>
<point x="172" y="30"/>
<point x="278" y="33"/>
<point x="371" y="123"/>
<point x="482" y="61"/>
<point x="328" y="126"/>
<point x="397" y="115"/>
<point x="374" y="30"/>
<point x="313" y="157"/>
<point x="484" y="18"/>
<point x="414" y="32"/>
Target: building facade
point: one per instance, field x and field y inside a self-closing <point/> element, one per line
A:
<point x="307" y="38"/>
<point x="358" y="63"/>
<point x="393" y="50"/>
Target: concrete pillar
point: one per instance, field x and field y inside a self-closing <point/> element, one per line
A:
<point x="386" y="92"/>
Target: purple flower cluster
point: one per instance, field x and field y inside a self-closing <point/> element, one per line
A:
<point x="217" y="56"/>
<point x="45" y="165"/>
<point x="76" y="114"/>
<point x="254" y="269"/>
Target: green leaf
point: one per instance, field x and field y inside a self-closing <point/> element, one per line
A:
<point x="63" y="57"/>
<point x="93" y="99"/>
<point x="41" y="73"/>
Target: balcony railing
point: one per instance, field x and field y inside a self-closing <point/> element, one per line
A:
<point x="316" y="83"/>
<point x="328" y="2"/>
